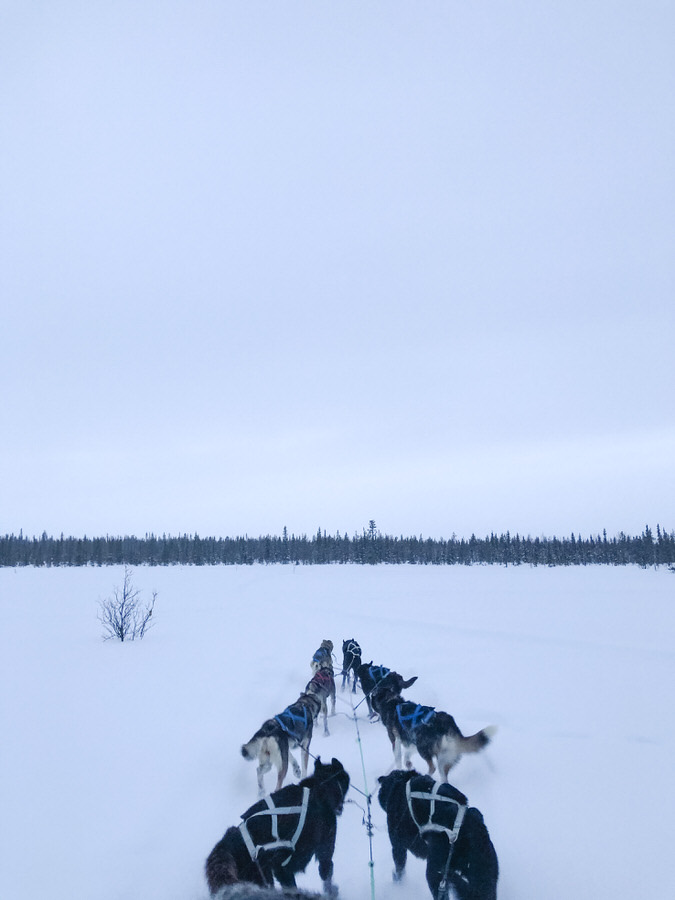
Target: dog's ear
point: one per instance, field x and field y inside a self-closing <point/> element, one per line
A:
<point x="406" y="684"/>
<point x="386" y="786"/>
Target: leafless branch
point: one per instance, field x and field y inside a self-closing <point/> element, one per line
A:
<point x="123" y="616"/>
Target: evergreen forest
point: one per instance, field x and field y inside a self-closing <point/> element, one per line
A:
<point x="370" y="547"/>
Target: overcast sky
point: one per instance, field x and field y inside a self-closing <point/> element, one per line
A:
<point x="308" y="264"/>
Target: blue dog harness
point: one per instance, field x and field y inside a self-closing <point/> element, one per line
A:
<point x="377" y="673"/>
<point x="411" y="716"/>
<point x="294" y="720"/>
<point x="322" y="656"/>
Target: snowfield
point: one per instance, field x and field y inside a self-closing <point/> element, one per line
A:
<point x="121" y="766"/>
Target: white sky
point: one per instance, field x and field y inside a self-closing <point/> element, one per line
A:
<point x="313" y="263"/>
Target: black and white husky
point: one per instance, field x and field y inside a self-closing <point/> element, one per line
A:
<point x="434" y="822"/>
<point x="411" y="726"/>
<point x="272" y="743"/>
<point x="281" y="833"/>
<point x="370" y="676"/>
<point x="351" y="660"/>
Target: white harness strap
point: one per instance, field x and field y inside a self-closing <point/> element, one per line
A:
<point x="274" y="812"/>
<point x="432" y="797"/>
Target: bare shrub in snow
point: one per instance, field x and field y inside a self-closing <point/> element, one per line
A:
<point x="124" y="616"/>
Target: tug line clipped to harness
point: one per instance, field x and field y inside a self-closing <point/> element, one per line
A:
<point x="451" y="834"/>
<point x="368" y="819"/>
<point x="367" y="813"/>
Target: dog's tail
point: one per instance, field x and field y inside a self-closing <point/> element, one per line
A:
<point x="268" y="749"/>
<point x="477" y="741"/>
<point x="250" y="750"/>
<point x="221" y="866"/>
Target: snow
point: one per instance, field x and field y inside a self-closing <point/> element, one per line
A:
<point x="120" y="764"/>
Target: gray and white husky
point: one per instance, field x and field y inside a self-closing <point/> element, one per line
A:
<point x="322" y="686"/>
<point x="272" y="743"/>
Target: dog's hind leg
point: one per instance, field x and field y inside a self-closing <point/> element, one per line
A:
<point x="261" y="771"/>
<point x="281" y="761"/>
<point x="304" y="755"/>
<point x="448" y="755"/>
<point x="437" y="864"/>
<point x="267" y="755"/>
<point x="407" y="758"/>
<point x="281" y="775"/>
<point x="324" y="857"/>
<point x="294" y="764"/>
<point x="396" y="747"/>
<point x="445" y="768"/>
<point x="399" y="854"/>
<point x="428" y="750"/>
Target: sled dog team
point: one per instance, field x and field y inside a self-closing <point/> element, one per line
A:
<point x="431" y="819"/>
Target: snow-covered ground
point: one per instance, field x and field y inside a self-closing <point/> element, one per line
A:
<point x="120" y="765"/>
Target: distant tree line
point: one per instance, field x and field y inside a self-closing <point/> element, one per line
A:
<point x="369" y="547"/>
